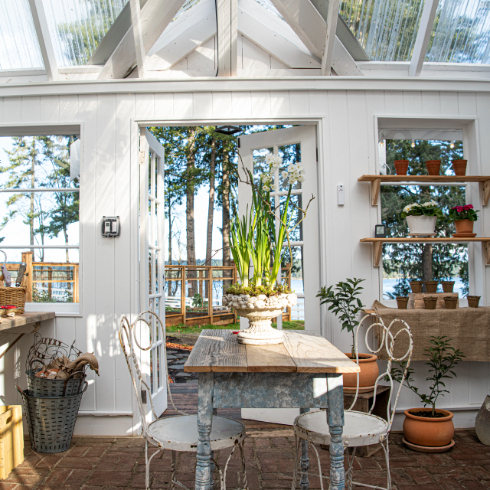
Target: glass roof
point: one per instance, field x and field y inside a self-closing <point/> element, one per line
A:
<point x="386" y="29"/>
<point x="461" y="32"/>
<point x="19" y="47"/>
<point x="78" y="26"/>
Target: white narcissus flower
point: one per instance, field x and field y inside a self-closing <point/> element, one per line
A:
<point x="284" y="174"/>
<point x="267" y="188"/>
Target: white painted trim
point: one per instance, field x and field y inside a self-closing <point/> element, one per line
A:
<point x="423" y="37"/>
<point x="44" y="38"/>
<point x="107" y="425"/>
<point x="332" y="17"/>
<point x="61" y="309"/>
<point x="93" y="413"/>
<point x="23" y="72"/>
<point x="138" y="37"/>
<point x="227" y="37"/>
<point x="342" y="62"/>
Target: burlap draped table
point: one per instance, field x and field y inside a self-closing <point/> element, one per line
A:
<point x="469" y="329"/>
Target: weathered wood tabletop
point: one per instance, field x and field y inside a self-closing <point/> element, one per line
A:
<point x="14" y="324"/>
<point x="218" y="351"/>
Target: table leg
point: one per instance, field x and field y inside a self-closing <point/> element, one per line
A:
<point x="335" y="419"/>
<point x="204" y="422"/>
<point x="304" y="484"/>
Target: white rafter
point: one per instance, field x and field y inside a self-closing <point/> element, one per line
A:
<point x="155" y="16"/>
<point x="139" y="47"/>
<point x="342" y="61"/>
<point x="227" y="13"/>
<point x="44" y="38"/>
<point x="332" y="17"/>
<point x="423" y="37"/>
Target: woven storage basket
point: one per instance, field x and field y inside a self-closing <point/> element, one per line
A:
<point x="13" y="296"/>
<point x="51" y="421"/>
<point x="45" y="388"/>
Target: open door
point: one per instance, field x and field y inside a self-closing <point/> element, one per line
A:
<point x="294" y="145"/>
<point x="152" y="260"/>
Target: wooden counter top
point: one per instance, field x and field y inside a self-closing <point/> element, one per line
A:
<point x="23" y="323"/>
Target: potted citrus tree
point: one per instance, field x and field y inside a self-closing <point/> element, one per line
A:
<point x="344" y="302"/>
<point x="463" y="218"/>
<point x="430" y="428"/>
<point x="421" y="218"/>
<point x="260" y="297"/>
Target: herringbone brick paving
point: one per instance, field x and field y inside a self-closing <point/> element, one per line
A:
<point x="109" y="463"/>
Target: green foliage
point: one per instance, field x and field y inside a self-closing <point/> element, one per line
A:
<point x="344" y="303"/>
<point x="197" y="301"/>
<point x="255" y="290"/>
<point x="463" y="212"/>
<point x="442" y="360"/>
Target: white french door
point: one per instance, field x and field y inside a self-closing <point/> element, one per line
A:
<point x="152" y="259"/>
<point x="294" y="145"/>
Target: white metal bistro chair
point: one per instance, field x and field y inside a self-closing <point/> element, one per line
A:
<point x="177" y="433"/>
<point x="360" y="429"/>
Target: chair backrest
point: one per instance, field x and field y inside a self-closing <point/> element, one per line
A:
<point x="386" y="338"/>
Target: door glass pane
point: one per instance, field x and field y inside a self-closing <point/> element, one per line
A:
<point x="259" y="162"/>
<point x="294" y="215"/>
<point x="297" y="270"/>
<point x="291" y="155"/>
<point x="151" y="370"/>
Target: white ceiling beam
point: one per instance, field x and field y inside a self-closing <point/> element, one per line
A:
<point x="227" y="37"/>
<point x="342" y="62"/>
<point x="273" y="43"/>
<point x="155" y="16"/>
<point x="44" y="38"/>
<point x="332" y="17"/>
<point x="139" y="47"/>
<point x="423" y="37"/>
<point x="306" y="22"/>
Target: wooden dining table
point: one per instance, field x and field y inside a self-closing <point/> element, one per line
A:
<point x="304" y="371"/>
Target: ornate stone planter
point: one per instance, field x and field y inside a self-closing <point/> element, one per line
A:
<point x="259" y="311"/>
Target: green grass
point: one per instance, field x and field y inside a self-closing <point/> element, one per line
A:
<point x="181" y="328"/>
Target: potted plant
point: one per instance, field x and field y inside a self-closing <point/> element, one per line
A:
<point x="344" y="302"/>
<point x="253" y="241"/>
<point x="430" y="427"/>
<point x="421" y="218"/>
<point x="402" y="302"/>
<point x="463" y="217"/>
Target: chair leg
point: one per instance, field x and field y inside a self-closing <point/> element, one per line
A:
<point x="147" y="467"/>
<point x="211" y="472"/>
<point x="244" y="483"/>
<point x="304" y="483"/>
<point x="387" y="458"/>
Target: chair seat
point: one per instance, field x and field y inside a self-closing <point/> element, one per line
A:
<point x="180" y="433"/>
<point x="360" y="429"/>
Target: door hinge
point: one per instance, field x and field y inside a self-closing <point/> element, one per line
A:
<point x="143" y="397"/>
<point x="142" y="157"/>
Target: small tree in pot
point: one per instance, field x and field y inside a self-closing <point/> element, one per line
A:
<point x="431" y="427"/>
<point x="344" y="302"/>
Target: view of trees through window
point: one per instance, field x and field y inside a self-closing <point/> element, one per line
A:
<point x="419" y="261"/>
<point x="40" y="213"/>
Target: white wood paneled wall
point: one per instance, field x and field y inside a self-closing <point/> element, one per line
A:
<point x="109" y="183"/>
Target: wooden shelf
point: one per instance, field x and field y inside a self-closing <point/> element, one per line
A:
<point x="378" y="244"/>
<point x="377" y="180"/>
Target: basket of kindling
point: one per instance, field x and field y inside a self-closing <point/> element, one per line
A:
<point x="12" y="295"/>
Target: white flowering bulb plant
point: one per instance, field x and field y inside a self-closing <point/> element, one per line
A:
<point x="429" y="208"/>
<point x="253" y="239"/>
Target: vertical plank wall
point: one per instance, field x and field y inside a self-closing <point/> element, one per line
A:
<point x="109" y="185"/>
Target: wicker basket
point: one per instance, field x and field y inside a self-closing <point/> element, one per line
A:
<point x="51" y="421"/>
<point x="13" y="296"/>
<point x="46" y="388"/>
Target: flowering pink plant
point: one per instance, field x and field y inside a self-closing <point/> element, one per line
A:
<point x="463" y="212"/>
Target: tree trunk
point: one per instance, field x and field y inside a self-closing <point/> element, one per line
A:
<point x="427" y="262"/>
<point x="189" y="211"/>
<point x="226" y="216"/>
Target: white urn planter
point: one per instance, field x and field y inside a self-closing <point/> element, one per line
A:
<point x="259" y="311"/>
<point x="421" y="225"/>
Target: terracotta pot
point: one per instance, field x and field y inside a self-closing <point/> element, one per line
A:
<point x="473" y="301"/>
<point x="369" y="371"/>
<point x="424" y="431"/>
<point x="431" y="286"/>
<point x="459" y="167"/>
<point x="416" y="286"/>
<point x="464" y="226"/>
<point x="447" y="286"/>
<point x="401" y="167"/>
<point x="402" y="302"/>
<point x="450" y="302"/>
<point x="430" y="302"/>
<point x="421" y="225"/>
<point x="433" y="167"/>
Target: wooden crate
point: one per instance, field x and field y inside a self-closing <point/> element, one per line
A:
<point x="416" y="300"/>
<point x="11" y="439"/>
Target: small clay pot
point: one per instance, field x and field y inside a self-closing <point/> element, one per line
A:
<point x="431" y="286"/>
<point x="464" y="226"/>
<point x="473" y="301"/>
<point x="401" y="167"/>
<point x="402" y="302"/>
<point x="433" y="167"/>
<point x="459" y="167"/>
<point x="416" y="286"/>
<point x="369" y="371"/>
<point x="424" y="431"/>
<point x="450" y="302"/>
<point x="447" y="286"/>
<point x="430" y="302"/>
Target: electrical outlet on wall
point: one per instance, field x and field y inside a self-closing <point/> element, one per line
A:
<point x="340" y="195"/>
